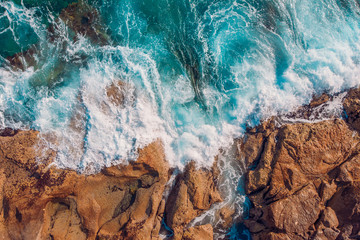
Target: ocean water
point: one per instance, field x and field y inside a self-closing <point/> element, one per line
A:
<point x="196" y="72"/>
<point x="193" y="73"/>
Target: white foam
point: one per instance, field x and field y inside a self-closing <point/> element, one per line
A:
<point x="164" y="106"/>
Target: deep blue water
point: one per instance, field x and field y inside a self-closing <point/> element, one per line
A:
<point x="197" y="72"/>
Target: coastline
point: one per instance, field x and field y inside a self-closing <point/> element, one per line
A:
<point x="310" y="165"/>
<point x="303" y="178"/>
<point x="293" y="176"/>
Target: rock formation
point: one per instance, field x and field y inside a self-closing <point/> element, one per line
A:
<point x="194" y="192"/>
<point x="303" y="178"/>
<point x="40" y="201"/>
<point x="83" y="19"/>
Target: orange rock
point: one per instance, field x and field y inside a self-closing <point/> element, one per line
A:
<point x="121" y="202"/>
<point x="203" y="232"/>
<point x="118" y="92"/>
<point x="303" y="177"/>
<point x="42" y="201"/>
<point x="194" y="192"/>
<point x="296" y="213"/>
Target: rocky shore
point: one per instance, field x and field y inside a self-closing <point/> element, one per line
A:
<point x="40" y="201"/>
<point x="303" y="178"/>
<point x="303" y="182"/>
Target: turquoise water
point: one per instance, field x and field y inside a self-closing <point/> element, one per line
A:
<point x="196" y="72"/>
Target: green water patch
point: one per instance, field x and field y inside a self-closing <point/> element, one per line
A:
<point x="55" y="6"/>
<point x="15" y="35"/>
<point x="16" y="32"/>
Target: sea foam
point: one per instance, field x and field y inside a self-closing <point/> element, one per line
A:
<point x="197" y="74"/>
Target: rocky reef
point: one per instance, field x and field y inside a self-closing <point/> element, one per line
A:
<point x="303" y="178"/>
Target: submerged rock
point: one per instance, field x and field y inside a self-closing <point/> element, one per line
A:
<point x="80" y="19"/>
<point x="83" y="19"/>
<point x="303" y="177"/>
<point x="120" y="93"/>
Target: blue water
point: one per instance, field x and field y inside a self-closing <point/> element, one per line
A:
<point x="196" y="72"/>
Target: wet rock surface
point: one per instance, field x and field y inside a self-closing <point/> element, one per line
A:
<point x="303" y="178"/>
<point x="40" y="201"/>
<point x="83" y="19"/>
<point x="194" y="192"/>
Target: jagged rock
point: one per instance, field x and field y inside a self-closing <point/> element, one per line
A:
<point x="315" y="110"/>
<point x="226" y="215"/>
<point x="352" y="108"/>
<point x="303" y="178"/>
<point x="296" y="213"/>
<point x="297" y="153"/>
<point x="319" y="100"/>
<point x="40" y="201"/>
<point x="329" y="218"/>
<point x="194" y="192"/>
<point x="253" y="226"/>
<point x="346" y="204"/>
<point x="46" y="202"/>
<point x="327" y="190"/>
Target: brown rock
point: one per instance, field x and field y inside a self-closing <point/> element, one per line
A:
<point x="329" y="218"/>
<point x="315" y="110"/>
<point x="326" y="234"/>
<point x="84" y="19"/>
<point x="203" y="232"/>
<point x="226" y="215"/>
<point x="251" y="152"/>
<point x="346" y="204"/>
<point x="23" y="60"/>
<point x="253" y="226"/>
<point x="296" y="213"/>
<point x="42" y="201"/>
<point x="121" y="202"/>
<point x="277" y="236"/>
<point x="119" y="93"/>
<point x="317" y="147"/>
<point x="318" y="100"/>
<point x="331" y="234"/>
<point x="327" y="190"/>
<point x="258" y="179"/>
<point x="306" y="173"/>
<point x="352" y="108"/>
<point x="350" y="170"/>
<point x="194" y="192"/>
